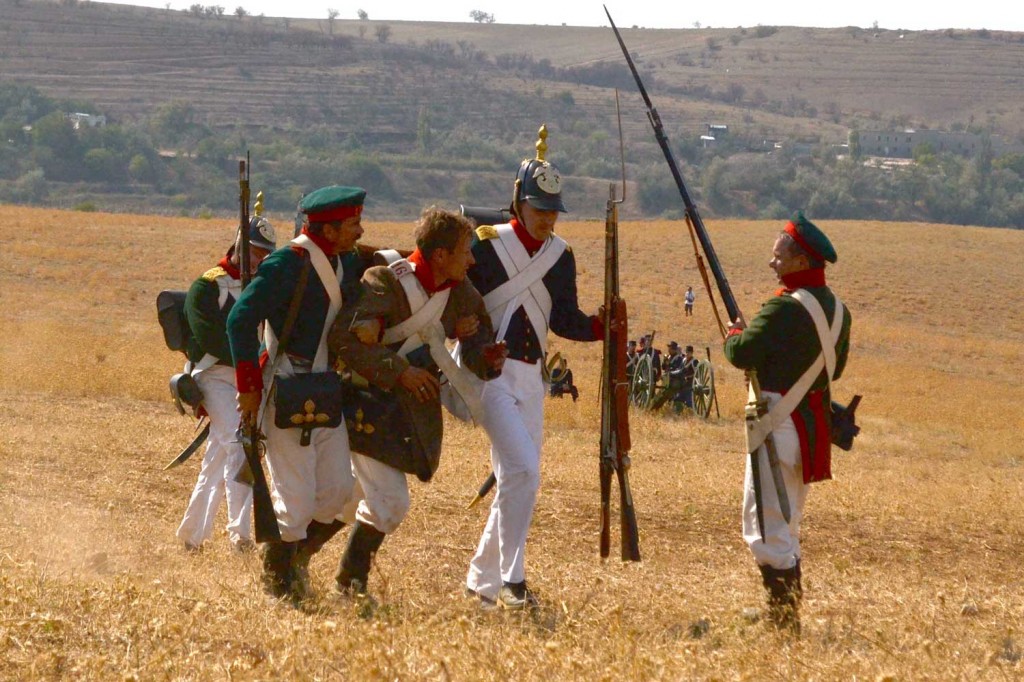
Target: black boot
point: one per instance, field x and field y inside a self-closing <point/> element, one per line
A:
<point x="317" y="535"/>
<point x="354" y="571"/>
<point x="784" y="594"/>
<point x="277" y="569"/>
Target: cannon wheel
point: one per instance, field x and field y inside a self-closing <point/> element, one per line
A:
<point x="703" y="388"/>
<point x="641" y="390"/>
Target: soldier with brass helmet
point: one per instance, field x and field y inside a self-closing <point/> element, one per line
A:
<point x="207" y="305"/>
<point x="394" y="337"/>
<point x="798" y="344"/>
<point x="298" y="291"/>
<point x="527" y="275"/>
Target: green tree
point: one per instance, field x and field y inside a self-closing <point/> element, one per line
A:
<point x="55" y="147"/>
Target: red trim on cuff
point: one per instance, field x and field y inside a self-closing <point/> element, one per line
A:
<point x="248" y="377"/>
<point x="597" y="327"/>
<point x="734" y="332"/>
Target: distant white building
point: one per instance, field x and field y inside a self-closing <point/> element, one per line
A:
<point x="901" y="144"/>
<point x="80" y="120"/>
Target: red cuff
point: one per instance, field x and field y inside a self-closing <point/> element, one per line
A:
<point x="733" y="332"/>
<point x="597" y="327"/>
<point x="248" y="377"/>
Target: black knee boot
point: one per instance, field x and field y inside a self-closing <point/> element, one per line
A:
<point x="784" y="594"/>
<point x="317" y="535"/>
<point x="277" y="568"/>
<point x="355" y="562"/>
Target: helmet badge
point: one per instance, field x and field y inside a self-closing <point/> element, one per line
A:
<point x="547" y="178"/>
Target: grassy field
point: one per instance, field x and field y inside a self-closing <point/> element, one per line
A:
<point x="911" y="555"/>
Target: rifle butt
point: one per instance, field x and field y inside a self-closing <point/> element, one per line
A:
<point x="627" y="520"/>
<point x="264" y="519"/>
<point x="606" y="519"/>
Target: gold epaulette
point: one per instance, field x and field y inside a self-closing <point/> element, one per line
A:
<point x="486" y="232"/>
<point x="212" y="274"/>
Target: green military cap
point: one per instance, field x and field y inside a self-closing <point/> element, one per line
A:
<point x="810" y="238"/>
<point x="332" y="204"/>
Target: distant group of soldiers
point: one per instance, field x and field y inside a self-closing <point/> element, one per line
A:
<point x="325" y="322"/>
<point x="679" y="365"/>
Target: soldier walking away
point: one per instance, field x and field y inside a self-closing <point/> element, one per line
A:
<point x="413" y="304"/>
<point x="798" y="344"/>
<point x="680" y="370"/>
<point x="209" y="300"/>
<point x="527" y="275"/>
<point x="688" y="368"/>
<point x="311" y="470"/>
<point x="688" y="299"/>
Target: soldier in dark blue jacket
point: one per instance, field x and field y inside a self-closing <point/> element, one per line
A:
<point x="527" y="275"/>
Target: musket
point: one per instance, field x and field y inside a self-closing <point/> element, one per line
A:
<point x="264" y="519"/>
<point x="756" y="406"/>
<point x="615" y="441"/>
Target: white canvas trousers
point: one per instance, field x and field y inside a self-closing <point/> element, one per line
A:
<point x="382" y="492"/>
<point x="221" y="462"/>
<point x="781" y="546"/>
<point x="513" y="406"/>
<point x="312" y="482"/>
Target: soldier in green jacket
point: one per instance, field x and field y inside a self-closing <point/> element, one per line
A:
<point x="312" y="479"/>
<point x="798" y="344"/>
<point x="207" y="305"/>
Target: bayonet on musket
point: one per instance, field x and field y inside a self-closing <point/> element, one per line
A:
<point x="615" y="441"/>
<point x="756" y="405"/>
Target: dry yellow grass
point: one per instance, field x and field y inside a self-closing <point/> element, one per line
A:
<point x="912" y="554"/>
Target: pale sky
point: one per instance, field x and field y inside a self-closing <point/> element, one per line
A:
<point x="1005" y="15"/>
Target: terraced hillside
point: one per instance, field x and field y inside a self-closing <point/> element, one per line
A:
<point x="279" y="73"/>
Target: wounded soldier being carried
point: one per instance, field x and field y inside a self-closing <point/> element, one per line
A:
<point x="395" y="339"/>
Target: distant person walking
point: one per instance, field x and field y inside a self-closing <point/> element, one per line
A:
<point x="688" y="299"/>
<point x="798" y="344"/>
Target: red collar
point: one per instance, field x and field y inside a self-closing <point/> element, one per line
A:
<point x="804" y="279"/>
<point x="426" y="275"/>
<point x="532" y="244"/>
<point x="229" y="267"/>
<point x="320" y="241"/>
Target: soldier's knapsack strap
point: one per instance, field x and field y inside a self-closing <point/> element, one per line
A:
<point x="425" y="309"/>
<point x="758" y="430"/>
<point x="330" y="278"/>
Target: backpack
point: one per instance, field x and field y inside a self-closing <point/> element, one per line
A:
<point x="170" y="311"/>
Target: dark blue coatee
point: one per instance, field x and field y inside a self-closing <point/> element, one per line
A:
<point x="567" y="320"/>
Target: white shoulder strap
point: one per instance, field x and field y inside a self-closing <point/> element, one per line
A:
<point x="425" y="309"/>
<point x="331" y="280"/>
<point x="828" y="336"/>
<point x="524" y="271"/>
<point x="758" y="430"/>
<point x="525" y="286"/>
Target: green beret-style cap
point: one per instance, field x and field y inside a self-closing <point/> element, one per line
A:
<point x="811" y="238"/>
<point x="334" y="203"/>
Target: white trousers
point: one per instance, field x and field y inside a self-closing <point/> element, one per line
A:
<point x="221" y="462"/>
<point x="513" y="406"/>
<point x="381" y="497"/>
<point x="781" y="546"/>
<point x="312" y="482"/>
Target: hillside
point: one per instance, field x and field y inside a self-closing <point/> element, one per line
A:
<point x="911" y="557"/>
<point x="479" y="91"/>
